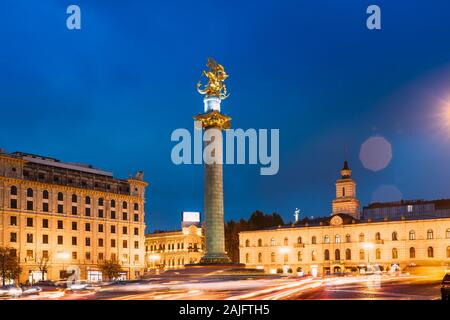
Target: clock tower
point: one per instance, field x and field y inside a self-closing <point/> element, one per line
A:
<point x="346" y="201"/>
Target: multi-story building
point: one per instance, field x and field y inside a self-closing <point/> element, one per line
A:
<point x="389" y="236"/>
<point x="172" y="250"/>
<point x="57" y="216"/>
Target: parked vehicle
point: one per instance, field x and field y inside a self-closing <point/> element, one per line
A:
<point x="48" y="286"/>
<point x="30" y="289"/>
<point x="445" y="287"/>
<point x="11" y="291"/>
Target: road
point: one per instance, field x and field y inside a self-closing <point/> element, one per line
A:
<point x="403" y="287"/>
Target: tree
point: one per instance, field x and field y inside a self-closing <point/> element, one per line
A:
<point x="43" y="264"/>
<point x="257" y="221"/>
<point x="110" y="269"/>
<point x="9" y="265"/>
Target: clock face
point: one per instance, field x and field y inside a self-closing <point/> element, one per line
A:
<point x="336" y="221"/>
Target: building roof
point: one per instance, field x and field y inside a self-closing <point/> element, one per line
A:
<point x="439" y="203"/>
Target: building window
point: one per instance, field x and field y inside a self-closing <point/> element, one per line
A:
<point x="394" y="236"/>
<point x="113" y="203"/>
<point x="337" y="239"/>
<point x="412" y="253"/>
<point x="45" y="239"/>
<point x="74" y="226"/>
<point x="286" y="241"/>
<point x="247" y="243"/>
<point x="377" y="236"/>
<point x="410" y="208"/>
<point x="124" y="230"/>
<point x="29" y="238"/>
<point x="87" y="200"/>
<point x="87" y="227"/>
<point x="326" y="239"/>
<point x="45" y="194"/>
<point x="136" y="217"/>
<point x="74" y="198"/>
<point x="124" y="205"/>
<point x="326" y="255"/>
<point x="13" y="221"/>
<point x="448" y="252"/>
<point x="45" y="254"/>
<point x="430" y="252"/>
<point x="113" y="214"/>
<point x="60" y="224"/>
<point x="60" y="240"/>
<point x="13" y="237"/>
<point x="29" y="193"/>
<point x="447" y="233"/>
<point x="30" y="254"/>
<point x="30" y="205"/>
<point x="272" y="242"/>
<point x="100" y="228"/>
<point x="100" y="213"/>
<point x="13" y="191"/>
<point x="430" y="234"/>
<point x="74" y="241"/>
<point x="299" y="256"/>
<point x="378" y="254"/>
<point x="247" y="258"/>
<point x="412" y="235"/>
<point x="299" y="240"/>
<point x="394" y="253"/>
<point x="259" y="242"/>
<point x="260" y="257"/>
<point x="272" y="257"/>
<point x="337" y="255"/>
<point x="124" y="216"/>
<point x="87" y="212"/>
<point x="348" y="238"/>
<point x="60" y="208"/>
<point x="361" y="237"/>
<point x="60" y="196"/>
<point x="88" y="255"/>
<point x="313" y="240"/>
<point x="88" y="242"/>
<point x="45" y="207"/>
<point x="74" y="210"/>
<point x="136" y="207"/>
<point x="13" y="204"/>
<point x="136" y="231"/>
<point x="313" y="255"/>
<point x="348" y="254"/>
<point x="74" y="255"/>
<point x="45" y="223"/>
<point x="286" y="258"/>
<point x="113" y="229"/>
<point x="29" y="222"/>
<point x="100" y="202"/>
<point x="113" y="243"/>
<point x="136" y="244"/>
<point x="361" y="254"/>
<point x="100" y="256"/>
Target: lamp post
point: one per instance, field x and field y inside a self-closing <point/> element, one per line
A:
<point x="368" y="246"/>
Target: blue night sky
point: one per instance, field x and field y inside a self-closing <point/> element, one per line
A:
<point x="112" y="93"/>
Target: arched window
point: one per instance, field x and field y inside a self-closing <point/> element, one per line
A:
<point x="286" y="241"/>
<point x="361" y="237"/>
<point x="430" y="234"/>
<point x="13" y="190"/>
<point x="100" y="201"/>
<point x="286" y="258"/>
<point x="29" y="192"/>
<point x="430" y="252"/>
<point x="88" y="200"/>
<point x="412" y="252"/>
<point x="377" y="236"/>
<point x="259" y="242"/>
<point x="272" y="257"/>
<point x="394" y="236"/>
<point x="348" y="254"/>
<point x="394" y="253"/>
<point x="299" y="256"/>
<point x="124" y="205"/>
<point x="299" y="240"/>
<point x="326" y="239"/>
<point x="247" y="243"/>
<point x="378" y="254"/>
<point x="337" y="254"/>
<point x="361" y="254"/>
<point x="447" y="233"/>
<point x="313" y="240"/>
<point x="348" y="238"/>
<point x="45" y="194"/>
<point x="326" y="255"/>
<point x="448" y="252"/>
<point x="337" y="238"/>
<point x="260" y="257"/>
<point x="272" y="242"/>
<point x="247" y="258"/>
<point x="74" y="198"/>
<point x="412" y="235"/>
<point x="313" y="255"/>
<point x="60" y="196"/>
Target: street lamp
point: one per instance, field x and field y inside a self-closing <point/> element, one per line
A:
<point x="368" y="246"/>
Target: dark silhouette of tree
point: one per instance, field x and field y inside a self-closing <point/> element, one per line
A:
<point x="110" y="269"/>
<point x="257" y="221"/>
<point x="9" y="265"/>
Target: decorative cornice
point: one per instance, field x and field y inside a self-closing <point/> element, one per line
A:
<point x="214" y="119"/>
<point x="138" y="182"/>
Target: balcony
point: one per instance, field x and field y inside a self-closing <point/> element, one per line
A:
<point x="299" y="245"/>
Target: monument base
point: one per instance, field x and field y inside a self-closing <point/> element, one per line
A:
<point x="215" y="259"/>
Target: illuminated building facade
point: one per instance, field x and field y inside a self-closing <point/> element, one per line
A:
<point x="348" y="243"/>
<point x="173" y="250"/>
<point x="58" y="216"/>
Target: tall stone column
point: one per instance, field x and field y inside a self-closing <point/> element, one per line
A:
<point x="212" y="119"/>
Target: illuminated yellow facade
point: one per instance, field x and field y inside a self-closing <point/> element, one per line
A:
<point x="346" y="242"/>
<point x="69" y="216"/>
<point x="173" y="250"/>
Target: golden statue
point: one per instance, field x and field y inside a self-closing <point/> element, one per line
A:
<point x="216" y="76"/>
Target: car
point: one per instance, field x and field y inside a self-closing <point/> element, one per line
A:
<point x="48" y="286"/>
<point x="11" y="291"/>
<point x="445" y="287"/>
<point x="30" y="290"/>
